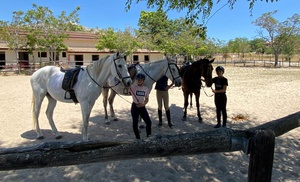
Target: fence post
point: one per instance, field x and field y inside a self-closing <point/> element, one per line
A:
<point x="261" y="156"/>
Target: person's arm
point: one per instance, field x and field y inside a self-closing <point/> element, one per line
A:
<point x="169" y="86"/>
<point x="220" y="91"/>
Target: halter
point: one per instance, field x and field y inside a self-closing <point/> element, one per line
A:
<point x="118" y="72"/>
<point x="168" y="68"/>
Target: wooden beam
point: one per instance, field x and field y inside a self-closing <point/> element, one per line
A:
<point x="261" y="156"/>
<point x="71" y="153"/>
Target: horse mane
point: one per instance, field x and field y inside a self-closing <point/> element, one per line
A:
<point x="96" y="63"/>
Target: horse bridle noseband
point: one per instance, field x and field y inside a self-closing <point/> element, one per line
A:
<point x="118" y="72"/>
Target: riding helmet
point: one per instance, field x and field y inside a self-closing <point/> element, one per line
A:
<point x="140" y="76"/>
<point x="220" y="68"/>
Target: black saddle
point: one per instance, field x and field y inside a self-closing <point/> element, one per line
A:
<point x="69" y="81"/>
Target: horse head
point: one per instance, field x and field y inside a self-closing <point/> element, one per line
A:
<point x="120" y="70"/>
<point x="173" y="73"/>
<point x="206" y="71"/>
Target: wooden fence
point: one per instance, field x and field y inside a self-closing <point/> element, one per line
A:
<point x="259" y="142"/>
<point x="19" y="67"/>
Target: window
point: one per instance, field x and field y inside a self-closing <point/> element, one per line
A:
<point x="42" y="54"/>
<point x="146" y="58"/>
<point x="64" y="54"/>
<point x="135" y="58"/>
<point x="95" y="57"/>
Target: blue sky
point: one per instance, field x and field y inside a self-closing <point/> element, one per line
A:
<point x="226" y="24"/>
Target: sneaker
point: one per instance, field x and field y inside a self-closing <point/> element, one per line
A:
<point x="217" y="126"/>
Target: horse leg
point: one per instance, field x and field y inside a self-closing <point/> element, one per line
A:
<point x="36" y="108"/>
<point x="49" y="113"/>
<point x="186" y="103"/>
<point x="197" y="97"/>
<point x="86" y="108"/>
<point x="191" y="100"/>
<point x="105" y="97"/>
<point x="111" y="105"/>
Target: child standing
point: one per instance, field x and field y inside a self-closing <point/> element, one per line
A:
<point x="221" y="84"/>
<point x="140" y="96"/>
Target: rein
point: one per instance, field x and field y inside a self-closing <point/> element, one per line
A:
<point x="118" y="72"/>
<point x="168" y="68"/>
<point x="92" y="78"/>
<point x="206" y="93"/>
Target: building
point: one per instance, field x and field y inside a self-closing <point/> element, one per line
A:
<point x="81" y="51"/>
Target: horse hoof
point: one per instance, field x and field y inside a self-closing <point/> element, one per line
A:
<point x="183" y="119"/>
<point x="116" y="119"/>
<point x="200" y="121"/>
<point x="58" y="137"/>
<point x="107" y="123"/>
<point x="40" y="137"/>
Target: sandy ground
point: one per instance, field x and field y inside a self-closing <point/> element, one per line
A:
<point x="260" y="94"/>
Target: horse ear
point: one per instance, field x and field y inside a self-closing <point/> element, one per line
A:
<point x="211" y="61"/>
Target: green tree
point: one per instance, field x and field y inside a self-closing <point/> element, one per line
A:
<point x="46" y="32"/>
<point x="193" y="8"/>
<point x="122" y="41"/>
<point x="277" y="33"/>
<point x="13" y="33"/>
<point x="258" y="45"/>
<point x="239" y="45"/>
<point x="155" y="28"/>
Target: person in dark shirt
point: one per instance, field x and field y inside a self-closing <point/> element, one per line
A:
<point x="162" y="96"/>
<point x="221" y="84"/>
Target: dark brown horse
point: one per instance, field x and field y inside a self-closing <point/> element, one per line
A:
<point x="192" y="77"/>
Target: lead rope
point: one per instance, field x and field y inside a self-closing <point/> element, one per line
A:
<point x="121" y="95"/>
<point x="206" y="93"/>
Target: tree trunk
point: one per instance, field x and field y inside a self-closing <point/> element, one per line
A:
<point x="276" y="59"/>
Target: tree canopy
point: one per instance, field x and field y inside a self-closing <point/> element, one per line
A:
<point x="194" y="8"/>
<point x="279" y="35"/>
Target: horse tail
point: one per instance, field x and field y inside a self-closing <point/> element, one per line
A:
<point x="33" y="111"/>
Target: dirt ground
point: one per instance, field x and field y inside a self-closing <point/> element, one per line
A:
<point x="259" y="95"/>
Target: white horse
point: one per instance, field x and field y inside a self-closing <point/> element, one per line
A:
<point x="153" y="72"/>
<point x="47" y="81"/>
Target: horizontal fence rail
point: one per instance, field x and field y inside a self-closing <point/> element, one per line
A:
<point x="259" y="142"/>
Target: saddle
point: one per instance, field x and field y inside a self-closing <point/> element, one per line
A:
<point x="184" y="68"/>
<point x="69" y="81"/>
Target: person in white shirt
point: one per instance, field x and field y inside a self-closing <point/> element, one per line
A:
<point x="140" y="96"/>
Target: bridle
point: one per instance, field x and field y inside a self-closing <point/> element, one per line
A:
<point x="207" y="74"/>
<point x="117" y="70"/>
<point x="168" y="68"/>
<point x="201" y="79"/>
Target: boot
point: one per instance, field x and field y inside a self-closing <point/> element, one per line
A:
<point x="169" y="118"/>
<point x="159" y="117"/>
<point x="224" y="123"/>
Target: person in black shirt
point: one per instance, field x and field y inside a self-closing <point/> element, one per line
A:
<point x="221" y="84"/>
<point x="162" y="96"/>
